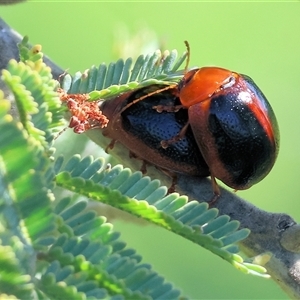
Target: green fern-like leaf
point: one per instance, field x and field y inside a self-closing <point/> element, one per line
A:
<point x="33" y="86"/>
<point x="22" y="181"/>
<point x="90" y="250"/>
<point x="25" y="204"/>
<point x="108" y="81"/>
<point x="13" y="282"/>
<point x="144" y="198"/>
<point x="29" y="54"/>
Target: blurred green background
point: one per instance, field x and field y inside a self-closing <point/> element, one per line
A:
<point x="257" y="39"/>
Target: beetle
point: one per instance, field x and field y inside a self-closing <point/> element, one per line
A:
<point x="233" y="124"/>
<point x="142" y="130"/>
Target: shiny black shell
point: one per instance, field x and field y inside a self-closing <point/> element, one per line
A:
<point x="141" y="128"/>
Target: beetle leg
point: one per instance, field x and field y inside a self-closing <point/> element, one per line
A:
<point x="110" y="145"/>
<point x="174" y="178"/>
<point x="165" y="143"/>
<point x="216" y="190"/>
<point x="171" y="189"/>
<point x="143" y="168"/>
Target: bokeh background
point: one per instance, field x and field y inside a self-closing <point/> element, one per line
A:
<point x="257" y="39"/>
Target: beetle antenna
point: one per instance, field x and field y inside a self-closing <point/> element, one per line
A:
<point x="168" y="87"/>
<point x="188" y="50"/>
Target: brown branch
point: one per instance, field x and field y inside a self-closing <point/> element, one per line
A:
<point x="275" y="233"/>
